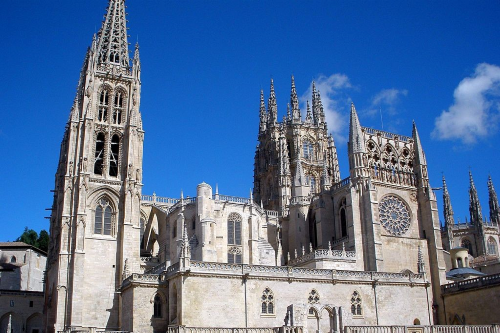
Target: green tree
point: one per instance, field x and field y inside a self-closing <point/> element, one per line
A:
<point x="31" y="237"/>
<point x="43" y="240"/>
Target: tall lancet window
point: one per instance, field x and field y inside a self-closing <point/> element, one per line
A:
<point x="118" y="108"/>
<point x="99" y="153"/>
<point x="234" y="250"/>
<point x="113" y="156"/>
<point x="308" y="150"/>
<point x="102" y="223"/>
<point x="103" y="106"/>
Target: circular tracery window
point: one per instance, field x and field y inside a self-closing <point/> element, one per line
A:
<point x="394" y="215"/>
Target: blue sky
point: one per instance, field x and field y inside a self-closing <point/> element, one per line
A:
<point x="204" y="63"/>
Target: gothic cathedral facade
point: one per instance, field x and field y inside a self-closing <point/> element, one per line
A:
<point x="307" y="250"/>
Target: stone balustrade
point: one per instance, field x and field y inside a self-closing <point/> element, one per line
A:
<point x="282" y="329"/>
<point x="424" y="329"/>
<point x="343" y="183"/>
<point x="387" y="135"/>
<point x="479" y="282"/>
<point x="324" y="254"/>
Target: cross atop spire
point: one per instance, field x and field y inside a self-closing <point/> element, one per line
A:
<point x="112" y="45"/>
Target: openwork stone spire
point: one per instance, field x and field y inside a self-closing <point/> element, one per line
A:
<point x="294" y="102"/>
<point x="356" y="140"/>
<point x="112" y="45"/>
<point x="447" y="209"/>
<point x="493" y="201"/>
<point x="272" y="107"/>
<point x="262" y="113"/>
<point x="476" y="216"/>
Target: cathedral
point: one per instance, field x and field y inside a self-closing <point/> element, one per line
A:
<point x="307" y="251"/>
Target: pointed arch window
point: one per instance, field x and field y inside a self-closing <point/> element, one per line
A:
<point x="234" y="251"/>
<point x="356" y="308"/>
<point x="113" y="156"/>
<point x="267" y="302"/>
<point x="103" y="106"/>
<point x="99" y="153"/>
<point x="103" y="218"/>
<point x="492" y="246"/>
<point x="118" y="108"/>
<point x="157" y="307"/>
<point x="343" y="219"/>
<point x="313" y="297"/>
<point x="308" y="150"/>
<point x="312" y="183"/>
<point x="142" y="226"/>
<point x="467" y="244"/>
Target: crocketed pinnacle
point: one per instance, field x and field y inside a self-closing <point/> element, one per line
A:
<point x="493" y="201"/>
<point x="356" y="140"/>
<point x="308" y="114"/>
<point x="294" y="102"/>
<point x="262" y="113"/>
<point x="272" y="107"/>
<point x="112" y="45"/>
<point x="476" y="216"/>
<point x="419" y="152"/>
<point x="300" y="178"/>
<point x="447" y="209"/>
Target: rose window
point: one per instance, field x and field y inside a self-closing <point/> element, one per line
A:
<point x="394" y="215"/>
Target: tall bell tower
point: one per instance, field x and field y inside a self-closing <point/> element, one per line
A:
<point x="94" y="226"/>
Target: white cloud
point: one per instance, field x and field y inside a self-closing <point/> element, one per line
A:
<point x="334" y="101"/>
<point x="385" y="101"/>
<point x="475" y="111"/>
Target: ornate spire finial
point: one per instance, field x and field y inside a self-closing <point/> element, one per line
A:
<point x="447" y="209"/>
<point x="294" y="102"/>
<point x="272" y="107"/>
<point x="308" y="114"/>
<point x="493" y="201"/>
<point x="356" y="140"/>
<point x="476" y="216"/>
<point x="262" y="113"/>
<point x="112" y="46"/>
<point x="419" y="152"/>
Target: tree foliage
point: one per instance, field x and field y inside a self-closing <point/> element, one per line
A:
<point x="31" y="237"/>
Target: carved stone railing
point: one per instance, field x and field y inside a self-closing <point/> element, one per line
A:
<point x="344" y="182"/>
<point x="230" y="198"/>
<point x="306" y="200"/>
<point x="147" y="260"/>
<point x="336" y="242"/>
<point x="323" y="254"/>
<point x="161" y="200"/>
<point x="495" y="328"/>
<point x="398" y="177"/>
<point x="387" y="135"/>
<point x="287" y="272"/>
<point x="480" y="282"/>
<point x="272" y="213"/>
<point x="157" y="269"/>
<point x="283" y="329"/>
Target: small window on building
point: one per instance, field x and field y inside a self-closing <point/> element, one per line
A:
<point x="113" y="156"/>
<point x="103" y="214"/>
<point x="174" y="229"/>
<point x="157" y="307"/>
<point x="308" y="150"/>
<point x="267" y="302"/>
<point x="103" y="106"/>
<point x="31" y="304"/>
<point x="460" y="264"/>
<point x="118" y="108"/>
<point x="99" y="153"/>
<point x="492" y="246"/>
<point x="13" y="259"/>
<point x="356" y="308"/>
<point x="11" y="303"/>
